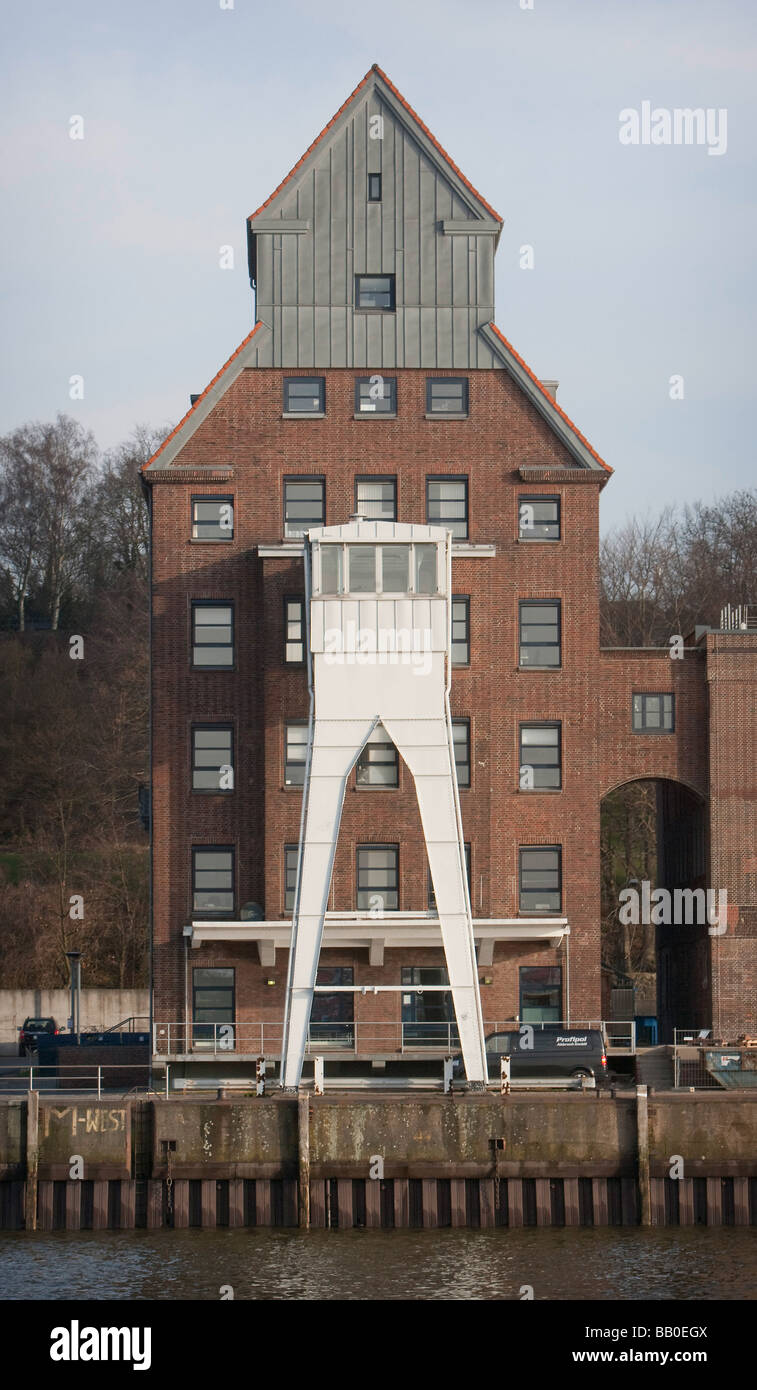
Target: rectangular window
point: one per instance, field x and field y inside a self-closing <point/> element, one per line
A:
<point x="539" y="633"/>
<point x="213" y="635"/>
<point x="539" y="518"/>
<point x="374" y="188"/>
<point x="428" y="1019"/>
<point x="212" y="518"/>
<point x="540" y="878"/>
<point x="213" y="1008"/>
<point x="304" y="505"/>
<point x="213" y="758"/>
<point x="374" y="292"/>
<point x="460" y="631"/>
<point x="378" y="877"/>
<point x="447" y="504"/>
<point x="447" y="395"/>
<point x="378" y="764"/>
<point x="540" y="762"/>
<point x="304" y="395"/>
<point x="376" y="395"/>
<point x="295" y="752"/>
<point x="290" y="876"/>
<point x="213" y="880"/>
<point x="294" y="631"/>
<point x="332" y="1015"/>
<point x="430" y="886"/>
<point x="540" y="993"/>
<point x="376" y="498"/>
<point x="461" y="740"/>
<point x="653" y="714"/>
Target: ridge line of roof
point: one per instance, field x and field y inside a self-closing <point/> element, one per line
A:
<point x="550" y="399"/>
<point x="406" y="104"/>
<point x="209" y="387"/>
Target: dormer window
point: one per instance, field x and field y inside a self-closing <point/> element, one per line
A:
<point x="374" y="292"/>
<point x="374" y="188"/>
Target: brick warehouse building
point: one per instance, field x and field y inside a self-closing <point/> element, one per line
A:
<point x="375" y="382"/>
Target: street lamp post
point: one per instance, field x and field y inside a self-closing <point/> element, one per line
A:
<point x="74" y="961"/>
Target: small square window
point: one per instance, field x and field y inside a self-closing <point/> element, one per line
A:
<point x="540" y="765"/>
<point x="213" y="880"/>
<point x="460" y="631"/>
<point x="378" y="764"/>
<point x="374" y="188"/>
<point x="304" y="395"/>
<point x="212" y="758"/>
<point x="374" y="292"/>
<point x="378" y="877"/>
<point x="295" y="752"/>
<point x="447" y="505"/>
<point x="304" y="505"/>
<point x="376" y="498"/>
<point x="294" y="631"/>
<point x="376" y="395"/>
<point x="540" y="646"/>
<point x="653" y="714"/>
<point x="212" y="518"/>
<point x="291" y="853"/>
<point x="447" y="395"/>
<point x="540" y="878"/>
<point x="212" y="635"/>
<point x="539" y="518"/>
<point x="461" y="741"/>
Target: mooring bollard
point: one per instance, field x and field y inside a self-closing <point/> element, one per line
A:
<point x="260" y="1076"/>
<point x="504" y="1075"/>
<point x="448" y="1065"/>
<point x="318" y="1075"/>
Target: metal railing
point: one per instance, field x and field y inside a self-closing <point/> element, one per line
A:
<point x="69" y="1076"/>
<point x="690" y="1068"/>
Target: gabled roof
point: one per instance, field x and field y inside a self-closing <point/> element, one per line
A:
<point x="381" y="80"/>
<point x="547" y="406"/>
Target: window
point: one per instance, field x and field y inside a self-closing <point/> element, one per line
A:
<point x="460" y="631"/>
<point x="331" y="1015"/>
<point x="376" y="395"/>
<point x="377" y="569"/>
<point x="540" y="878"/>
<point x="376" y="498"/>
<point x="540" y="633"/>
<point x="378" y="877"/>
<point x="290" y="876"/>
<point x="374" y="188"/>
<point x="213" y="635"/>
<point x="461" y="741"/>
<point x="447" y="395"/>
<point x="212" y="758"/>
<point x="213" y="1009"/>
<point x="653" y="714"/>
<point x="540" y="993"/>
<point x="304" y="395"/>
<point x="374" y="292"/>
<point x="294" y="631"/>
<point x="430" y="886"/>
<point x="427" y="1018"/>
<point x="378" y="764"/>
<point x="304" y="505"/>
<point x="539" y="757"/>
<point x="213" y="880"/>
<point x="295" y="752"/>
<point x="212" y="518"/>
<point x="539" y="518"/>
<point x="447" y="504"/>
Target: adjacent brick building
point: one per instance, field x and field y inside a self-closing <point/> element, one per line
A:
<point x="375" y="381"/>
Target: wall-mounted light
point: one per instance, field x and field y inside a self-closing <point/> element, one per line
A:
<point x="270" y="982"/>
<point x="488" y="980"/>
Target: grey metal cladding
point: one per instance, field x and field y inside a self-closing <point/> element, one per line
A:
<point x="321" y="231"/>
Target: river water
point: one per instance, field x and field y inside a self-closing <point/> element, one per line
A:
<point x="697" y="1263"/>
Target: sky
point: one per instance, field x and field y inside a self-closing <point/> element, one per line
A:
<point x="641" y="299"/>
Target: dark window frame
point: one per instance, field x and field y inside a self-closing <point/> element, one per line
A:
<point x="206" y="727"/>
<point x="379" y="786"/>
<point x="302" y="724"/>
<point x="390" y="412"/>
<point x="321" y="390"/>
<point x="377" y="478"/>
<point x="205" y="916"/>
<point x="644" y="696"/>
<point x="524" y="499"/>
<point x="465" y="600"/>
<point x="372" y="891"/>
<point x="303" y="478"/>
<point x="294" y="598"/>
<point x="450" y="478"/>
<point x="523" y="760"/>
<point x="232" y="990"/>
<point x="540" y="911"/>
<point x="463" y="381"/>
<point x="374" y="188"/>
<point x="463" y="720"/>
<point x="290" y="849"/>
<point x="540" y="603"/>
<point x="554" y="985"/>
<point x="376" y="308"/>
<point x="213" y="603"/>
<point x="221" y="499"/>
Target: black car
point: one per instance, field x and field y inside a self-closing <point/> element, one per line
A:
<point x="30" y="1031"/>
<point x="544" y="1052"/>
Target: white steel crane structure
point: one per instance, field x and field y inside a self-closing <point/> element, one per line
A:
<point x="378" y="608"/>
